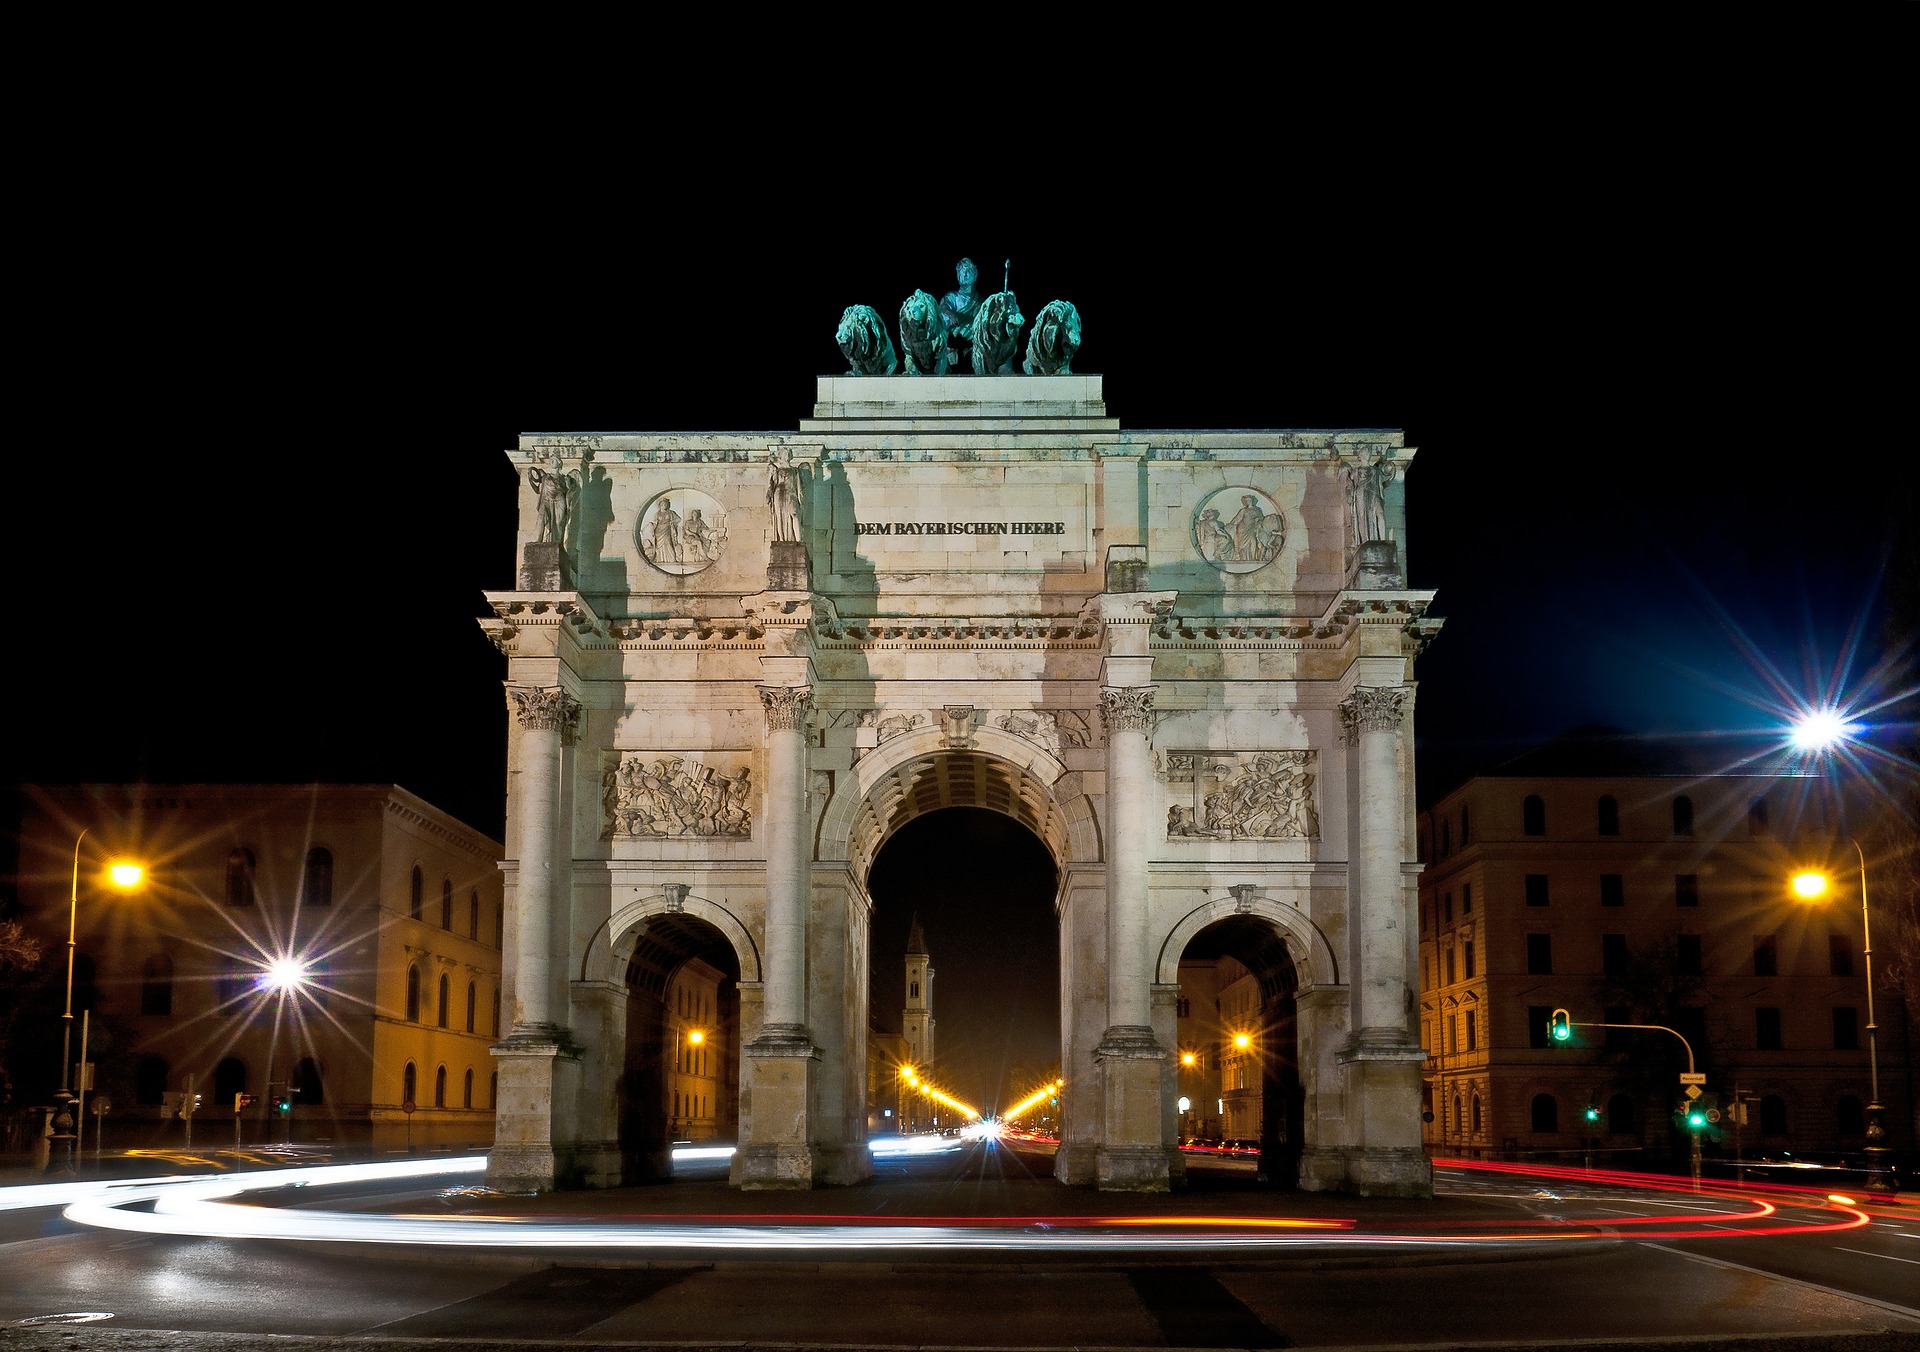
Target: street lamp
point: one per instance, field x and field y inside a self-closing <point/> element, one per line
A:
<point x="125" y="876"/>
<point x="1812" y="885"/>
<point x="284" y="977"/>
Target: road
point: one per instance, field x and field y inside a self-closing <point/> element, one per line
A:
<point x="974" y="1248"/>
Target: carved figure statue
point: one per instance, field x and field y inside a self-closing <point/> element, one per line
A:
<point x="957" y="307"/>
<point x="783" y="495"/>
<point x="996" y="334"/>
<point x="703" y="535"/>
<point x="1367" y="484"/>
<point x="667" y="542"/>
<point x="864" y="343"/>
<point x="923" y="336"/>
<point x="1054" y="339"/>
<point x="1216" y="541"/>
<point x="1249" y="529"/>
<point x="555" y="489"/>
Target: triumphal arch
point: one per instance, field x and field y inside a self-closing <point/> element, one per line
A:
<point x="739" y="662"/>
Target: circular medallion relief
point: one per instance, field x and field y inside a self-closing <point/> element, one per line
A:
<point x="682" y="531"/>
<point x="1238" y="530"/>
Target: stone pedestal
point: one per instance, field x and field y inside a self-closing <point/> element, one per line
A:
<point x="1132" y="1157"/>
<point x="787" y="566"/>
<point x="543" y="567"/>
<point x="780" y="1065"/>
<point x="1383" y="1103"/>
<point x="522" y="1158"/>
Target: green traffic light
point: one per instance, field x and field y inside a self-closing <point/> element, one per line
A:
<point x="1696" y="1120"/>
<point x="1593" y="1113"/>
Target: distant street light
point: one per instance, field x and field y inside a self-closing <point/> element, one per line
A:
<point x="1821" y="729"/>
<point x="1812" y="885"/>
<point x="284" y="976"/>
<point x="125" y="876"/>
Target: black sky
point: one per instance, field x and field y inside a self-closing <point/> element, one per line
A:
<point x="1652" y="346"/>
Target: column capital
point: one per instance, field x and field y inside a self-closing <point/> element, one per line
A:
<point x="548" y="707"/>
<point x="1373" y="708"/>
<point x="787" y="706"/>
<point x="1127" y="708"/>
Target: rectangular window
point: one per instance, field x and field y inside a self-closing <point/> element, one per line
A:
<point x="1613" y="890"/>
<point x="1617" y="1037"/>
<point x="1840" y="954"/>
<point x="1540" y="955"/>
<point x="1453" y="1033"/>
<point x="1449" y="966"/>
<point x="1766" y="1028"/>
<point x="1686" y="955"/>
<point x="1446" y="908"/>
<point x="1467" y="956"/>
<point x="1686" y="889"/>
<point x="1466" y="894"/>
<point x="1537" y="1018"/>
<point x="1766" y="956"/>
<point x="1473" y="1035"/>
<point x="1613" y="954"/>
<point x="1846" y="1028"/>
<point x="1536" y="889"/>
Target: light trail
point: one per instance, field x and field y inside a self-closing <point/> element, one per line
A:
<point x="1033" y="1100"/>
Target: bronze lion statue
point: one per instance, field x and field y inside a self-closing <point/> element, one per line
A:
<point x="996" y="334"/>
<point x="1053" y="339"/>
<point x="923" y="336"/>
<point x="864" y="343"/>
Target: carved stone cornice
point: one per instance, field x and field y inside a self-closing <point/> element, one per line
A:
<point x="787" y="706"/>
<point x="1013" y="631"/>
<point x="1373" y="708"/>
<point x="548" y="708"/>
<point x="1127" y="708"/>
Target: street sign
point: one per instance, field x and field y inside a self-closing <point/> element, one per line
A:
<point x="1693" y="1091"/>
<point x="1688" y="1077"/>
<point x="1713" y="1114"/>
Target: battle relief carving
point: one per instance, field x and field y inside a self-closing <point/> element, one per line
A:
<point x="657" y="795"/>
<point x="1242" y="795"/>
<point x="682" y="531"/>
<point x="1239" y="530"/>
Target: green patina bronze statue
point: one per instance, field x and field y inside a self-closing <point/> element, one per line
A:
<point x="864" y="343"/>
<point x="923" y="336"/>
<point x="1053" y="340"/>
<point x="996" y="334"/>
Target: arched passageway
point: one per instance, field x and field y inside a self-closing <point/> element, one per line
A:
<point x="1238" y="1061"/>
<point x="680" y="1078"/>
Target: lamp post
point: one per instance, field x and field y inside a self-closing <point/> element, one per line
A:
<point x="1811" y="885"/>
<point x="124" y="876"/>
<point x="284" y="977"/>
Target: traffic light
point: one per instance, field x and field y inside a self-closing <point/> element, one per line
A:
<point x="284" y="1102"/>
<point x="1560" y="1026"/>
<point x="1696" y="1118"/>
<point x="1592" y="1113"/>
<point x="242" y="1101"/>
<point x="189" y="1104"/>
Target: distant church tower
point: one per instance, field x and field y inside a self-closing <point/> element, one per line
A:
<point x="916" y="1019"/>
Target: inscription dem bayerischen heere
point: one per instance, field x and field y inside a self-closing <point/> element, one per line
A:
<point x="960" y="528"/>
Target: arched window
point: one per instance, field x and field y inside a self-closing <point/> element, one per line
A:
<point x="1683" y="816"/>
<point x="156" y="985"/>
<point x="493" y="1091"/>
<point x="1852" y="1119"/>
<point x="229" y="1078"/>
<point x="1609" y="815"/>
<point x="306" y="1082"/>
<point x="409" y="1081"/>
<point x="473" y="916"/>
<point x="1459" y="1118"/>
<point x="446" y="998"/>
<point x="1466" y="829"/>
<point x="440" y="1087"/>
<point x="316" y="884"/>
<point x="1620" y="1116"/>
<point x="1546" y="1113"/>
<point x="1773" y="1116"/>
<point x="446" y="904"/>
<point x="913" y="991"/>
<point x="416" y="893"/>
<point x="1476" y="1114"/>
<point x="496" y="1013"/>
<point x="1757" y="817"/>
<point x="466" y="1089"/>
<point x="1533" y="815"/>
<point x="150" y="1081"/>
<point x="473" y="1003"/>
<point x="240" y="867"/>
<point x="230" y="986"/>
<point x="413" y="995"/>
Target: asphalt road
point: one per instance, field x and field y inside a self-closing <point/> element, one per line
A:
<point x="1841" y="1289"/>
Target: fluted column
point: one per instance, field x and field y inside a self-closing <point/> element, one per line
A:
<point x="1374" y="717"/>
<point x="544" y="717"/>
<point x="787" y="708"/>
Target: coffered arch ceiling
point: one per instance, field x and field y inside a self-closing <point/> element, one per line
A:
<point x="945" y="779"/>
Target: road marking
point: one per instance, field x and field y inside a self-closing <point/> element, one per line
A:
<point x="1866" y="1253"/>
<point x="1909" y="1312"/>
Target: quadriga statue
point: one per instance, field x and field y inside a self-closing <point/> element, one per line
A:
<point x="1053" y="339"/>
<point x="996" y="334"/>
<point x="864" y="343"/>
<point x="923" y="335"/>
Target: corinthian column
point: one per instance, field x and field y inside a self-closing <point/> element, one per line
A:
<point x="1384" y="1156"/>
<point x="544" y="716"/>
<point x="787" y="873"/>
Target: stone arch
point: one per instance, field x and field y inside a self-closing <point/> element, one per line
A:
<point x="612" y="944"/>
<point x="1314" y="961"/>
<point x="918" y="772"/>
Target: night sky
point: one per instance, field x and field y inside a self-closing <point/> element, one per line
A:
<point x="1662" y="406"/>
